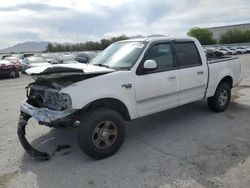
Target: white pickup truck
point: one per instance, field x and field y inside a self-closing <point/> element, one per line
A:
<point x="128" y="80"/>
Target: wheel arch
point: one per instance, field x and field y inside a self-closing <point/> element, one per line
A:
<point x="227" y="79"/>
<point x="111" y="103"/>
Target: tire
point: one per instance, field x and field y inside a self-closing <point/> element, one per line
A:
<point x="221" y="99"/>
<point x="13" y="74"/>
<point x="101" y="133"/>
<point x="17" y="74"/>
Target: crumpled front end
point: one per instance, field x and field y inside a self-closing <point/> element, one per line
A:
<point x="47" y="104"/>
<point x="49" y="107"/>
<point x="44" y="115"/>
<point x="23" y="120"/>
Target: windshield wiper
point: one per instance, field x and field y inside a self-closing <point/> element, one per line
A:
<point x="101" y="65"/>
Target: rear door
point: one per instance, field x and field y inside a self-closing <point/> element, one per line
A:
<point x="157" y="90"/>
<point x="193" y="74"/>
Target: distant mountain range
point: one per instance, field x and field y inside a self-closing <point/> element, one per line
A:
<point x="41" y="46"/>
<point x="26" y="47"/>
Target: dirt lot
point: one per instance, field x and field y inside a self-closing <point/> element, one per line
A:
<point x="184" y="147"/>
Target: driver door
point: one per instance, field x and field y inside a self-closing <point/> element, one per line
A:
<point x="157" y="89"/>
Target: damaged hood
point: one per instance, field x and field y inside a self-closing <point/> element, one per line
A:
<point x="68" y="69"/>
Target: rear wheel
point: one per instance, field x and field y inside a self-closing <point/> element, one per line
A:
<point x="14" y="74"/>
<point x="221" y="99"/>
<point x="101" y="133"/>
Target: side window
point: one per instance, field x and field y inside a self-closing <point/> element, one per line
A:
<point x="187" y="54"/>
<point x="162" y="54"/>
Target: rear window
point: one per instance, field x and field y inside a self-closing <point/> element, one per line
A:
<point x="187" y="54"/>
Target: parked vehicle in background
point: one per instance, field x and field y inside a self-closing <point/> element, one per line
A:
<point x="223" y="51"/>
<point x="66" y="59"/>
<point x="128" y="80"/>
<point x="6" y="55"/>
<point x="242" y="50"/>
<point x="26" y="55"/>
<point x="33" y="61"/>
<point x="248" y="49"/>
<point x="85" y="57"/>
<point x="49" y="57"/>
<point x="238" y="50"/>
<point x="233" y="50"/>
<point x="214" y="52"/>
<point x="209" y="52"/>
<point x="228" y="51"/>
<point x="14" y="59"/>
<point x="8" y="69"/>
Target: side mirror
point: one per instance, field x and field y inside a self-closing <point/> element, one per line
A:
<point x="150" y="65"/>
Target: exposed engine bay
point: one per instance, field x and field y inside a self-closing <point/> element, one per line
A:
<point x="45" y="91"/>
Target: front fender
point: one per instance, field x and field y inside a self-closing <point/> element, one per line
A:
<point x="106" y="86"/>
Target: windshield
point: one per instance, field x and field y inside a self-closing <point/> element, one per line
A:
<point x="120" y="55"/>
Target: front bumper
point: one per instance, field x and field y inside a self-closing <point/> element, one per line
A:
<point x="44" y="115"/>
<point x="23" y="120"/>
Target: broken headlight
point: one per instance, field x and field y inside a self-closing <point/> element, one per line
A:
<point x="57" y="101"/>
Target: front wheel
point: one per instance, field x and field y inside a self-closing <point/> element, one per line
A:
<point x="221" y="99"/>
<point x="101" y="133"/>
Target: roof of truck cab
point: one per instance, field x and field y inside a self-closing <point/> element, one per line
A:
<point x="153" y="39"/>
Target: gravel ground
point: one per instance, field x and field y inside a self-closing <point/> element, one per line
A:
<point x="188" y="146"/>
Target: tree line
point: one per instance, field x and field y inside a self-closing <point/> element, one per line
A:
<point x="232" y="36"/>
<point x="203" y="35"/>
<point x="86" y="46"/>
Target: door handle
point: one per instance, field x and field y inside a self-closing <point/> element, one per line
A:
<point x="200" y="72"/>
<point x="171" y="77"/>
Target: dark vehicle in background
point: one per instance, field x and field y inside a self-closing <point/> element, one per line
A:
<point x="25" y="55"/>
<point x="82" y="57"/>
<point x="6" y="55"/>
<point x="85" y="57"/>
<point x="8" y="69"/>
<point x="33" y="61"/>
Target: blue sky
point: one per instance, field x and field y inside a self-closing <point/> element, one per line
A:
<point x="82" y="20"/>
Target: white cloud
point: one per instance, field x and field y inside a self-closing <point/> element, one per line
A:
<point x="67" y="20"/>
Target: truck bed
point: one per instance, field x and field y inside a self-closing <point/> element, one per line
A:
<point x="211" y="60"/>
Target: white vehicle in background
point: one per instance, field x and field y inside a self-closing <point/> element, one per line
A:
<point x="223" y="51"/>
<point x="130" y="79"/>
<point x="49" y="57"/>
<point x="33" y="61"/>
<point x="65" y="59"/>
<point x="242" y="50"/>
<point x="228" y="51"/>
